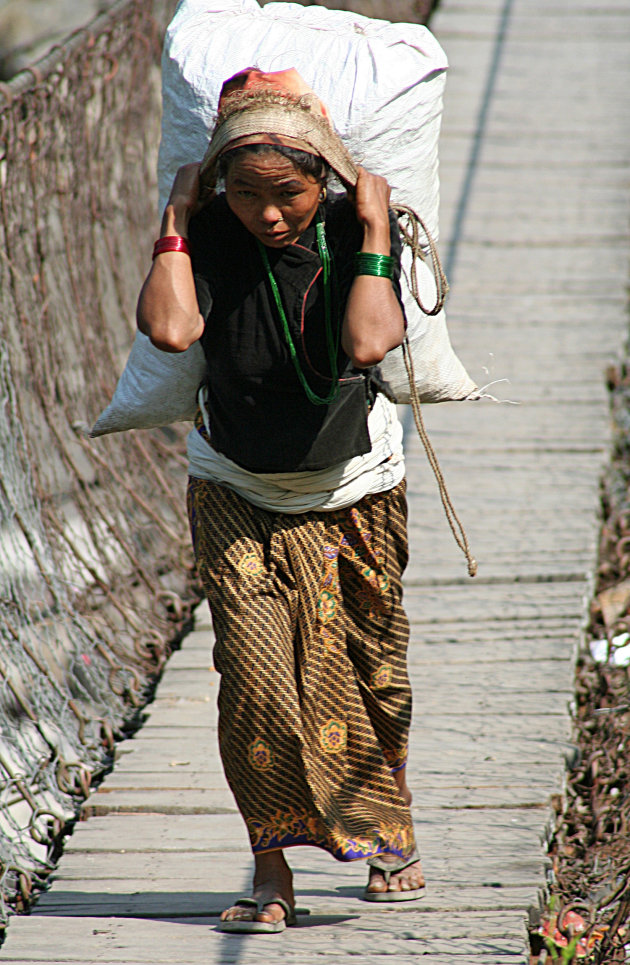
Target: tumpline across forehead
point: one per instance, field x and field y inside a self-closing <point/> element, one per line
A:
<point x="307" y="164"/>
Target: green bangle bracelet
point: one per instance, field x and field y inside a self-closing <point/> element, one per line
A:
<point x="367" y="263"/>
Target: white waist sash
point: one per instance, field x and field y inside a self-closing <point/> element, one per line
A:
<point x="325" y="489"/>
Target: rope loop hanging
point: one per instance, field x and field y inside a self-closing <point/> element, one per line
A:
<point x="453" y="519"/>
<point x="410" y="223"/>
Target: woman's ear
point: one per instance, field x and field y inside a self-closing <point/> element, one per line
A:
<point x="208" y="185"/>
<point x="206" y="195"/>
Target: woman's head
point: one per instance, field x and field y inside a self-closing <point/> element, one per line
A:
<point x="277" y="111"/>
<point x="274" y="190"/>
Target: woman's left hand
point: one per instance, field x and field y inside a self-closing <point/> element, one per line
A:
<point x="371" y="199"/>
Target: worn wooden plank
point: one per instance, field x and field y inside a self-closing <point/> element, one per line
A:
<point x="139" y="899"/>
<point x="195" y="940"/>
<point x="159" y="832"/>
<point x="479" y="783"/>
<point x="130" y="873"/>
<point x="155" y="832"/>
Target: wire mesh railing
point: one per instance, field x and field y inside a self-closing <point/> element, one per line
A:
<point x="95" y="571"/>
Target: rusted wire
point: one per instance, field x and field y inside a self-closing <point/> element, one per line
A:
<point x="95" y="565"/>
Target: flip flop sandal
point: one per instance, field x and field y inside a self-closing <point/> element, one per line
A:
<point x="249" y="927"/>
<point x="388" y="869"/>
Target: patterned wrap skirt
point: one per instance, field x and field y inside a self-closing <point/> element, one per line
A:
<point x="311" y="644"/>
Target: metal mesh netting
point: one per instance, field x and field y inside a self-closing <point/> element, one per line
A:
<point x="95" y="573"/>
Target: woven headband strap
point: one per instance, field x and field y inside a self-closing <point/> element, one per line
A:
<point x="300" y="125"/>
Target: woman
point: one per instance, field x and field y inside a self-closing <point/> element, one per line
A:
<point x="296" y="490"/>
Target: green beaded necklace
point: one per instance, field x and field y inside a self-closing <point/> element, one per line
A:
<point x="332" y="339"/>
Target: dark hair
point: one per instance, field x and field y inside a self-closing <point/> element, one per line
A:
<point x="311" y="165"/>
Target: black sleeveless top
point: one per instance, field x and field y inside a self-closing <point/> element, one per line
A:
<point x="260" y="416"/>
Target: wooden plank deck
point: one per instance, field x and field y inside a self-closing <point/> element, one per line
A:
<point x="535" y="202"/>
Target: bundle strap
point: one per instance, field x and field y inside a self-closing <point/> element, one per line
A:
<point x="454" y="522"/>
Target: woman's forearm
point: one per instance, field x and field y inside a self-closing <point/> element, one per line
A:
<point x="373" y="322"/>
<point x="167" y="310"/>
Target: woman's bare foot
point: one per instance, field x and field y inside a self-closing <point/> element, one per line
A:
<point x="410" y="879"/>
<point x="272" y="879"/>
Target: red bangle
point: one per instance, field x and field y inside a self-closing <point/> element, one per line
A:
<point x="171" y="243"/>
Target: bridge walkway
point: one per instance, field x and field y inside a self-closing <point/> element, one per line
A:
<point x="535" y="164"/>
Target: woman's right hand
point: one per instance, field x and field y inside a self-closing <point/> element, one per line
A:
<point x="183" y="201"/>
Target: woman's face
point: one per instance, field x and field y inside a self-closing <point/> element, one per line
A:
<point x="275" y="201"/>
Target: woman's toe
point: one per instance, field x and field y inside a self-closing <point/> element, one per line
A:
<point x="238" y="913"/>
<point x="272" y="913"/>
<point x="377" y="883"/>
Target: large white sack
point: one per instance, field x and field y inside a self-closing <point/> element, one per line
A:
<point x="155" y="388"/>
<point x="439" y="374"/>
<point x="383" y="85"/>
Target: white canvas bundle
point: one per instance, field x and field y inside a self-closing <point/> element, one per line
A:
<point x="155" y="389"/>
<point x="383" y="85"/>
<point x="439" y="374"/>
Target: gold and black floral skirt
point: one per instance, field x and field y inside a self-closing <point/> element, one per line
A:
<point x="311" y="642"/>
